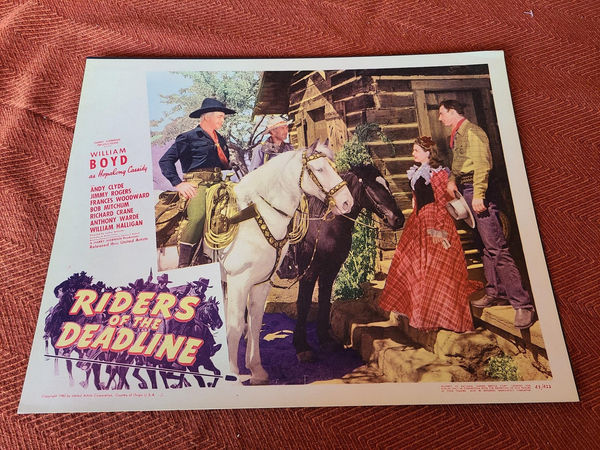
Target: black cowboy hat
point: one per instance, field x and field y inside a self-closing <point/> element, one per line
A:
<point x="210" y="105"/>
<point x="164" y="278"/>
<point x="202" y="282"/>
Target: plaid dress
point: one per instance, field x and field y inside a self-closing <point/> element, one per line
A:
<point x="426" y="282"/>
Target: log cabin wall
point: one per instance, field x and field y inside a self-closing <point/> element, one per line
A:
<point x="331" y="105"/>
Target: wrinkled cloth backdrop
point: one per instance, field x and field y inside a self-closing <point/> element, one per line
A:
<point x="554" y="67"/>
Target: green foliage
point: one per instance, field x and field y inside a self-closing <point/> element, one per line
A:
<point x="355" y="152"/>
<point x="238" y="90"/>
<point x="360" y="264"/>
<point x="503" y="368"/>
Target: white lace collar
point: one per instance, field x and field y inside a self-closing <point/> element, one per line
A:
<point x="423" y="171"/>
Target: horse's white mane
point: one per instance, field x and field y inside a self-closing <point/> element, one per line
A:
<point x="269" y="177"/>
<point x="278" y="179"/>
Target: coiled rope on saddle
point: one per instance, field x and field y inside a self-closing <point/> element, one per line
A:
<point x="300" y="222"/>
<point x="221" y="205"/>
<point x="223" y="217"/>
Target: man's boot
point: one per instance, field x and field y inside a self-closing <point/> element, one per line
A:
<point x="202" y="257"/>
<point x="185" y="254"/>
<point x="524" y="318"/>
<point x="488" y="300"/>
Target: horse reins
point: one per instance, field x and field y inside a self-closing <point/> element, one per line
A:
<point x="324" y="217"/>
<point x="278" y="244"/>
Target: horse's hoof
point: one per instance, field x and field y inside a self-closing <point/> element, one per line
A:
<point x="259" y="381"/>
<point x="306" y="356"/>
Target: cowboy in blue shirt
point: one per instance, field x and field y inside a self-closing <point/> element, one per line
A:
<point x="202" y="153"/>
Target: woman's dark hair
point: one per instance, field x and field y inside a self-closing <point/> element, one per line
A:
<point x="455" y="105"/>
<point x="427" y="144"/>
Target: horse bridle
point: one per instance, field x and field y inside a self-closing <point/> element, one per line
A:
<point x="367" y="189"/>
<point x="278" y="244"/>
<point x="330" y="201"/>
<point x="305" y="167"/>
<point x="378" y="211"/>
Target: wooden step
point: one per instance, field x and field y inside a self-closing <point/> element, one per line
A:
<point x="397" y="164"/>
<point x="400" y="147"/>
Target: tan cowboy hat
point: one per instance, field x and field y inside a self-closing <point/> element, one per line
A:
<point x="459" y="210"/>
<point x="275" y="122"/>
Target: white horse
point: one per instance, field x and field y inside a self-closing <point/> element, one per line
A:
<point x="250" y="260"/>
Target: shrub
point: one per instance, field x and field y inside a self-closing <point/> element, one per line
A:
<point x="360" y="264"/>
<point x="502" y="368"/>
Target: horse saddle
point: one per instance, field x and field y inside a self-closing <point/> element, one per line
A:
<point x="223" y="215"/>
<point x="169" y="216"/>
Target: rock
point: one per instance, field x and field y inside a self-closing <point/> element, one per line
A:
<point x="508" y="347"/>
<point x="425" y="338"/>
<point x="398" y="352"/>
<point x="371" y="292"/>
<point x="478" y="345"/>
<point x="346" y="312"/>
<point x="469" y="350"/>
<point x="530" y="369"/>
<point x="402" y="363"/>
<point x="368" y="340"/>
<point x="442" y="373"/>
<point x="531" y="364"/>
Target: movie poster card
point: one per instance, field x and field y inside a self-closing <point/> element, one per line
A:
<point x="122" y="328"/>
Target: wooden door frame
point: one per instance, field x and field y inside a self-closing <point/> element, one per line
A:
<point x="466" y="84"/>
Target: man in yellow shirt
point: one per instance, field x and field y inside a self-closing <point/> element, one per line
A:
<point x="471" y="165"/>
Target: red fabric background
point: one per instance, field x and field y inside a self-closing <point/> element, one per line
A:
<point x="554" y="67"/>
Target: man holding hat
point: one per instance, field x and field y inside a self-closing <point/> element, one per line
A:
<point x="202" y="153"/>
<point x="471" y="165"/>
<point x="277" y="128"/>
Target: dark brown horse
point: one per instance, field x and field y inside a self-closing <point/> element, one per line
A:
<point x="333" y="239"/>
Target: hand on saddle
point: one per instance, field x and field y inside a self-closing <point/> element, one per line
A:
<point x="186" y="189"/>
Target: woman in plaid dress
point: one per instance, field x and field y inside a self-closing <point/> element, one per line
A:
<point x="427" y="280"/>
